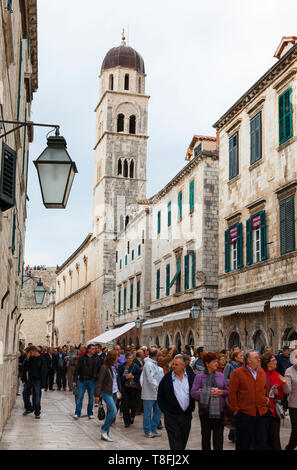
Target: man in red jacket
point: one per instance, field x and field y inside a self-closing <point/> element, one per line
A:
<point x="249" y="401"/>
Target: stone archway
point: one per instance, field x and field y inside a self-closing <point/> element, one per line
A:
<point x="289" y="335"/>
<point x="178" y="342"/>
<point x="234" y="340"/>
<point x="259" y="341"/>
<point x="167" y="342"/>
<point x="191" y="339"/>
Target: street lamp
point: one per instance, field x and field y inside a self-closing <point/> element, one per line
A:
<point x="195" y="312"/>
<point x="39" y="293"/>
<point x="56" y="172"/>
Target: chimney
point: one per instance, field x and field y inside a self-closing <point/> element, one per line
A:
<point x="286" y="43"/>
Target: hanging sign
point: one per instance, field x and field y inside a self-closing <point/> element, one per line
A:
<point x="256" y="222"/>
<point x="233" y="235"/>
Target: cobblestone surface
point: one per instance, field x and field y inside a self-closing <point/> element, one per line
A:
<point x="58" y="430"/>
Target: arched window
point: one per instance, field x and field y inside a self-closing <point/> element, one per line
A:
<point x="191" y="339"/>
<point x="126" y="81"/>
<point x="127" y="221"/>
<point x="125" y="173"/>
<point x="167" y="342"/>
<point x="157" y="341"/>
<point x="234" y="340"/>
<point x="132" y="169"/>
<point x="259" y="341"/>
<point x="111" y="81"/>
<point x="178" y="343"/>
<point x="120" y="124"/>
<point x="120" y="169"/>
<point x="132" y="124"/>
<point x="139" y="85"/>
<point x="137" y="342"/>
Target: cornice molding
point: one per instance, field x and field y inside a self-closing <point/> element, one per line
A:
<point x="111" y="92"/>
<point x="120" y="134"/>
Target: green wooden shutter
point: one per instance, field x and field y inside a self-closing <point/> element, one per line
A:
<point x="256" y="138"/>
<point x="191" y="191"/>
<point x="20" y="257"/>
<point x="139" y="250"/>
<point x="227" y="251"/>
<point x="159" y="222"/>
<point x="27" y="172"/>
<point x="20" y="78"/>
<point x="263" y="236"/>
<point x="233" y="156"/>
<point x="169" y="214"/>
<point x="132" y="255"/>
<point x="249" y="242"/>
<point x="125" y="299"/>
<point x="167" y="279"/>
<point x="138" y="294"/>
<point x="131" y="296"/>
<point x="119" y="301"/>
<point x="239" y="246"/>
<point x="180" y="205"/>
<point x="178" y="271"/>
<point x="126" y="260"/>
<point x="193" y="268"/>
<point x="13" y="233"/>
<point x="9" y="5"/>
<point x="158" y="284"/>
<point x="285" y="116"/>
<point x="287" y="225"/>
<point x="120" y="264"/>
<point x="186" y="280"/>
<point x="283" y="227"/>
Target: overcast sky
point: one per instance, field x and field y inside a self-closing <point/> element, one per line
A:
<point x="200" y="57"/>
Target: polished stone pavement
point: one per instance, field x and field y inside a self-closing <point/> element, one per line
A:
<point x="58" y="430"/>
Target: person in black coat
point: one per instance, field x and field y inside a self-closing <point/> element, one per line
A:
<point x="51" y="365"/>
<point x="61" y="368"/>
<point x="34" y="376"/>
<point x="175" y="401"/>
<point x="129" y="376"/>
<point x="283" y="361"/>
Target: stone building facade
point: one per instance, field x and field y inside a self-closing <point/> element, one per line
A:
<point x="37" y="320"/>
<point x="257" y="226"/>
<point x="18" y="82"/>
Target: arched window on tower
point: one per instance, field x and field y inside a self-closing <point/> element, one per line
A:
<point x="127" y="221"/>
<point x="139" y="85"/>
<point x="120" y="123"/>
<point x="120" y="168"/>
<point x="126" y="82"/>
<point x="132" y="124"/>
<point x="125" y="173"/>
<point x="111" y="81"/>
<point x="132" y="169"/>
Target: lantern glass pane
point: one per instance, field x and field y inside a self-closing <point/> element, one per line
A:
<point x="39" y="294"/>
<point x="53" y="180"/>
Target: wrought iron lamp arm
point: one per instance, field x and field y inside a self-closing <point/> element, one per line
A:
<point x="26" y="124"/>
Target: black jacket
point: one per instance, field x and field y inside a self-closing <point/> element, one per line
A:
<point x="283" y="362"/>
<point x="87" y="368"/>
<point x="35" y="368"/>
<point x="50" y="361"/>
<point x="60" y="362"/>
<point x="167" y="400"/>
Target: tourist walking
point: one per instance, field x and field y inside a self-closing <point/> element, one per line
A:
<point x="291" y="389"/>
<point x="237" y="359"/>
<point x="71" y="358"/>
<point x="283" y="361"/>
<point x="210" y="390"/>
<point x="34" y="378"/>
<point x="221" y="363"/>
<point x="108" y="385"/>
<point x="198" y="365"/>
<point x="51" y="365"/>
<point x="249" y="401"/>
<point x="151" y="377"/>
<point x="61" y="369"/>
<point x="275" y="385"/>
<point x="139" y="360"/>
<point x="85" y="377"/>
<point x="129" y="373"/>
<point x="175" y="401"/>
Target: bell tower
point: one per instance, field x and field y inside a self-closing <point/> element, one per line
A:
<point x="121" y="140"/>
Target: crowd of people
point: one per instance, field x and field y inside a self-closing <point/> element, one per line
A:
<point x="248" y="393"/>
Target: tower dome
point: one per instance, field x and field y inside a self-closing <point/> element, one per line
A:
<point x="123" y="56"/>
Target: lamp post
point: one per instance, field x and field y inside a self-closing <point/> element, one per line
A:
<point x="195" y="312"/>
<point x="137" y="322"/>
<point x="39" y="293"/>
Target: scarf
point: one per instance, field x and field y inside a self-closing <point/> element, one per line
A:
<point x="206" y="402"/>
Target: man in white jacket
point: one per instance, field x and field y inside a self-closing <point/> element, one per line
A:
<point x="151" y="377"/>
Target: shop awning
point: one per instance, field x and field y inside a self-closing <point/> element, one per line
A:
<point x="284" y="300"/>
<point x="243" y="308"/>
<point x="153" y="323"/>
<point x="177" y="316"/>
<point x="110" y="335"/>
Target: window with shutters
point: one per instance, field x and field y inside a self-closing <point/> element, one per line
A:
<point x="125" y="299"/>
<point x="287" y="225"/>
<point x="187" y="272"/>
<point x="178" y="278"/>
<point x="126" y="260"/>
<point x="131" y="296"/>
<point x="167" y="280"/>
<point x="180" y="205"/>
<point x="159" y="223"/>
<point x="119" y="301"/>
<point x="132" y="255"/>
<point x="158" y="283"/>
<point x="7" y="178"/>
<point x="256" y="137"/>
<point x="198" y="150"/>
<point x="285" y="116"/>
<point x="191" y="195"/>
<point x="169" y="214"/>
<point x="233" y="256"/>
<point x="233" y="156"/>
<point x="138" y="294"/>
<point x="120" y="264"/>
<point x="256" y="248"/>
<point x="233" y="248"/>
<point x="139" y="250"/>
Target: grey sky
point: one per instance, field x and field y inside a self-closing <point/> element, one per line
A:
<point x="200" y="57"/>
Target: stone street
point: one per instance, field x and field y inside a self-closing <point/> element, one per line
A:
<point x="58" y="430"/>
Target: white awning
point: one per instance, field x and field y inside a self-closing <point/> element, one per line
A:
<point x="153" y="323"/>
<point x="110" y="335"/>
<point x="244" y="308"/>
<point x="284" y="300"/>
<point x="177" y="316"/>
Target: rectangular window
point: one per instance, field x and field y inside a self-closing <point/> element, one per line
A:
<point x="256" y="138"/>
<point x="192" y="269"/>
<point x="126" y="260"/>
<point x="132" y="255"/>
<point x="120" y="264"/>
<point x="138" y="294"/>
<point x="125" y="299"/>
<point x="159" y="222"/>
<point x="131" y="296"/>
<point x="198" y="150"/>
<point x="256" y="249"/>
<point x="178" y="278"/>
<point x="233" y="256"/>
<point x="191" y="194"/>
<point x="119" y="301"/>
<point x="167" y="280"/>
<point x="139" y="250"/>
<point x="187" y="272"/>
<point x="169" y="214"/>
<point x="257" y="245"/>
<point x="233" y="248"/>
<point x="233" y="156"/>
<point x="158" y="284"/>
<point x="285" y="116"/>
<point x="287" y="226"/>
<point x="180" y="205"/>
<point x="7" y="177"/>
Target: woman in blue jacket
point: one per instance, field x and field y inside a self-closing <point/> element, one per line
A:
<point x="129" y="375"/>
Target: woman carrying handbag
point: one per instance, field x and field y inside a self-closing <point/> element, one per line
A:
<point x="108" y="387"/>
<point x="129" y="376"/>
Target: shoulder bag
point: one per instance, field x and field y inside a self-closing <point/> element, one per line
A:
<point x="279" y="408"/>
<point x="101" y="411"/>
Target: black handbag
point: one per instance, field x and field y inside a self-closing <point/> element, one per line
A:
<point x="101" y="412"/>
